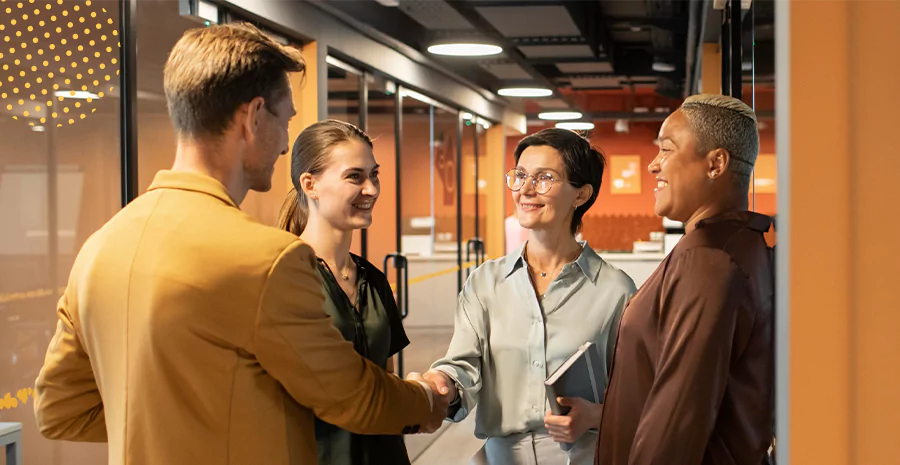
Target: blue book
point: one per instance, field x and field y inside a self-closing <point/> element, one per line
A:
<point x="581" y="375"/>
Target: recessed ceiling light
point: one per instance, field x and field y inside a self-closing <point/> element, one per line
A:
<point x="465" y="49"/>
<point x="559" y="115"/>
<point x="76" y="94"/>
<point x="576" y="126"/>
<point x="661" y="67"/>
<point x="525" y="92"/>
<point x="38" y="128"/>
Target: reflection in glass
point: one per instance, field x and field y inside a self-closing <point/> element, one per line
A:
<point x="428" y="157"/>
<point x="343" y="105"/>
<point x="471" y="237"/>
<point x="382" y="235"/>
<point x="59" y="182"/>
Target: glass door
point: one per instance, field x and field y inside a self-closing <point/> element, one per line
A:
<point x="429" y="228"/>
<point x="345" y="88"/>
<point x="472" y="240"/>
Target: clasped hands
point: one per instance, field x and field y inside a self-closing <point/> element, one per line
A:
<point x="442" y="391"/>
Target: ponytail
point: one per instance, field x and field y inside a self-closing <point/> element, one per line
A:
<point x="294" y="213"/>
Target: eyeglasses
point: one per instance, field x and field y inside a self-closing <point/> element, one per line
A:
<point x="542" y="182"/>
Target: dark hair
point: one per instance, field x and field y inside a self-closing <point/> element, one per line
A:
<point x="584" y="163"/>
<point x="310" y="155"/>
<point x="212" y="71"/>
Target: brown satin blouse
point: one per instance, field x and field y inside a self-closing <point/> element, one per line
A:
<point x="693" y="376"/>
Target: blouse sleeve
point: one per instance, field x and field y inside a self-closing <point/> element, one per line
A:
<point x="399" y="339"/>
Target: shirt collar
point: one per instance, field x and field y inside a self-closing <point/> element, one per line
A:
<point x="181" y="180"/>
<point x="752" y="220"/>
<point x="588" y="261"/>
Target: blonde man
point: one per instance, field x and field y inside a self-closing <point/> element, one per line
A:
<point x="189" y="332"/>
<point x="693" y="374"/>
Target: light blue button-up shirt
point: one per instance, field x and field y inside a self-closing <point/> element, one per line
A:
<point x="506" y="341"/>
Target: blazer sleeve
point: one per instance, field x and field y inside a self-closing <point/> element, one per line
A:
<point x="67" y="402"/>
<point x="296" y="342"/>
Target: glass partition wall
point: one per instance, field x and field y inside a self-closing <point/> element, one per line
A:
<point x="345" y="84"/>
<point x="61" y="178"/>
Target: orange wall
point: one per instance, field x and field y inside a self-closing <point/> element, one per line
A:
<point x="842" y="291"/>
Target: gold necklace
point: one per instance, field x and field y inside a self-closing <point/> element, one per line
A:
<point x="345" y="272"/>
<point x="544" y="273"/>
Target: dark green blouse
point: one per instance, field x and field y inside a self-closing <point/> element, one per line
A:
<point x="377" y="334"/>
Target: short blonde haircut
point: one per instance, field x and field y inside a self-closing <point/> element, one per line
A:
<point x="212" y="71"/>
<point x="719" y="121"/>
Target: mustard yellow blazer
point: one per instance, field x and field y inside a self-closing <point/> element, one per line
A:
<point x="189" y="333"/>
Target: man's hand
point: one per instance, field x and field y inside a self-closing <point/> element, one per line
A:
<point x="440" y="402"/>
<point x="442" y="383"/>
<point x="582" y="416"/>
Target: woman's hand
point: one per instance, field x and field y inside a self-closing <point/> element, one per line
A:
<point x="569" y="428"/>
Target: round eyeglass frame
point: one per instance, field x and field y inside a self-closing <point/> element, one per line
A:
<point x="510" y="176"/>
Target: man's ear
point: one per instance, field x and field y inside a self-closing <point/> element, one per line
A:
<point x="252" y="112"/>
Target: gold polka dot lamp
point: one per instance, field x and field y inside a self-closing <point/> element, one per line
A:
<point x="58" y="59"/>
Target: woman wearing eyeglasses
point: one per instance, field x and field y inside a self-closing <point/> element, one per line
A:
<point x="519" y="317"/>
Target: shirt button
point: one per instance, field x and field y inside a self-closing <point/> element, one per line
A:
<point x="534" y="407"/>
<point x="537" y="364"/>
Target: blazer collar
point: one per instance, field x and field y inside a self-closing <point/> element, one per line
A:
<point x="181" y="180"/>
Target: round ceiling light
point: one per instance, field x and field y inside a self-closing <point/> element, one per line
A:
<point x="525" y="92"/>
<point x="662" y="67"/>
<point x="465" y="49"/>
<point x="559" y="115"/>
<point x="576" y="126"/>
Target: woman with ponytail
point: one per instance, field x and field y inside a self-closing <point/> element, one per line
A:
<point x="336" y="185"/>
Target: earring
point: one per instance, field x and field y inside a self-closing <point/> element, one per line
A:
<point x="314" y="196"/>
<point x="713" y="174"/>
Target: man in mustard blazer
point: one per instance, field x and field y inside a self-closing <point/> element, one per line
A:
<point x="189" y="333"/>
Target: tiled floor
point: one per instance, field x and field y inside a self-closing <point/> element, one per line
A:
<point x="455" y="445"/>
<point x="429" y="326"/>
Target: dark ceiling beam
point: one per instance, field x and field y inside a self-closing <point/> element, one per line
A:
<point x="495" y="3"/>
<point x="549" y="40"/>
<point x="472" y="15"/>
<point x="553" y="61"/>
<point x="618" y="22"/>
<point x="594" y="24"/>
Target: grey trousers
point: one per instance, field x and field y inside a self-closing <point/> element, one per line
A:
<point x="535" y="449"/>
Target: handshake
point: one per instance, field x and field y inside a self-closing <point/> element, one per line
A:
<point x="442" y="390"/>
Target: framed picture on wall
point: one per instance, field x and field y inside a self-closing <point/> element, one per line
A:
<point x="625" y="174"/>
